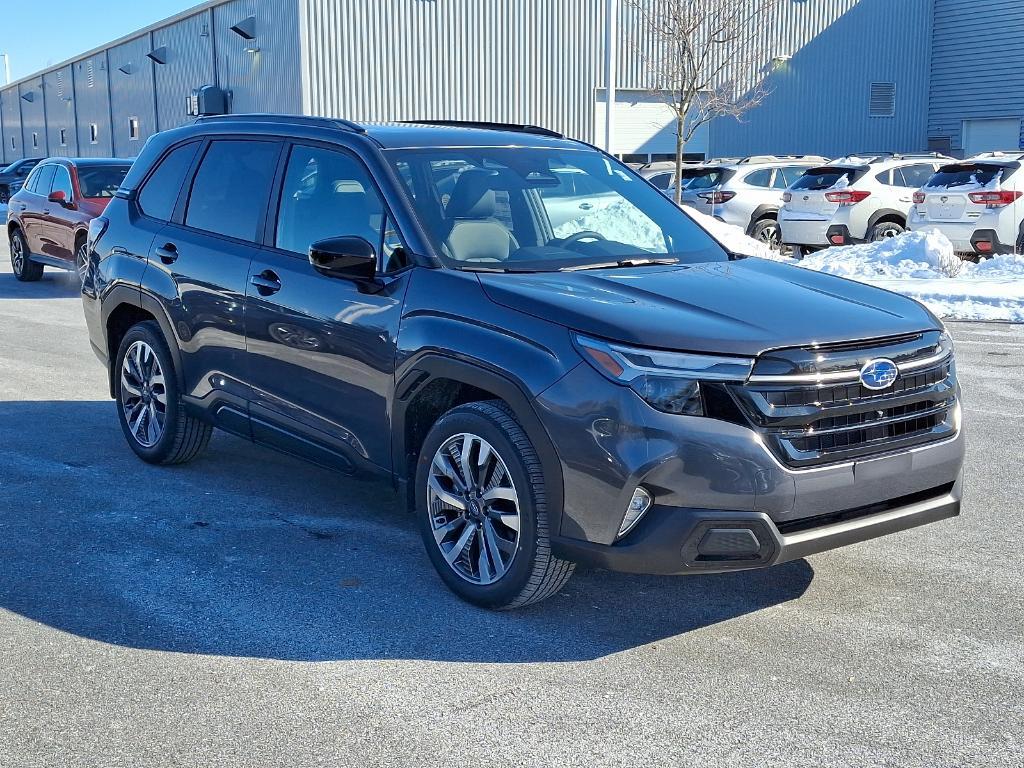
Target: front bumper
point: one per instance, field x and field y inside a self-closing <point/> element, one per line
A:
<point x="677" y="541"/>
<point x="704" y="471"/>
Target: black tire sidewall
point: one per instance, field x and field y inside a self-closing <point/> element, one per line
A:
<point x="25" y="273"/>
<point x="762" y="225"/>
<point x="879" y="228"/>
<point x="511" y="585"/>
<point x="150" y="333"/>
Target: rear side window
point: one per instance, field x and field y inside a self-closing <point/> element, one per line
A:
<point x="917" y="176"/>
<point x="661" y="180"/>
<point x="706" y="179"/>
<point x="761" y="178"/>
<point x="966" y="175"/>
<point x="43" y="179"/>
<point x="160" y="192"/>
<point x="790" y="173"/>
<point x="827" y="178"/>
<point x="229" y="195"/>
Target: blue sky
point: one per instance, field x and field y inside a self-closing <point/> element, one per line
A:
<point x="37" y="33"/>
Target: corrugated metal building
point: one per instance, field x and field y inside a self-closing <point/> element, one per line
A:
<point x="845" y="75"/>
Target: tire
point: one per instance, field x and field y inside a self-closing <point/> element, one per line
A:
<point x="82" y="261"/>
<point x="885" y="230"/>
<point x="180" y="437"/>
<point x="25" y="270"/>
<point x="519" y="563"/>
<point x="767" y="232"/>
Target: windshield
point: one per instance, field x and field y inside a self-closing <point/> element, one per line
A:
<point x="101" y="180"/>
<point x="529" y="210"/>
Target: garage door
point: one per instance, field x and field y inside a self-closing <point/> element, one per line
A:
<point x="989" y="135"/>
<point x="644" y="125"/>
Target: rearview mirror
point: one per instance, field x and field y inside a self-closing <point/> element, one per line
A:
<point x="350" y="258"/>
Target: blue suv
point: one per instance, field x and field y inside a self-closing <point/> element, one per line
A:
<point x="551" y="361"/>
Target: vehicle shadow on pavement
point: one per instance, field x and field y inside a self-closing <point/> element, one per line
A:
<point x="249" y="553"/>
<point x="55" y="284"/>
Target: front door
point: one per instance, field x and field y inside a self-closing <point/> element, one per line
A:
<point x="31" y="204"/>
<point x="200" y="266"/>
<point x="59" y="220"/>
<point x="322" y="349"/>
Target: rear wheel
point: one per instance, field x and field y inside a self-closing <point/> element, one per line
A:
<point x="152" y="416"/>
<point x="767" y="231"/>
<point x="885" y="230"/>
<point x="482" y="509"/>
<point x="25" y="270"/>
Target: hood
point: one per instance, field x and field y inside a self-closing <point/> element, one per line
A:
<point x="741" y="307"/>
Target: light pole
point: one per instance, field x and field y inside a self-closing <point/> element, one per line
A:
<point x="611" y="53"/>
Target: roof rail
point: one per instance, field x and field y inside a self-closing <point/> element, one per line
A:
<point x="489" y="126"/>
<point x="324" y="122"/>
<point x="776" y="158"/>
<point x="1016" y="153"/>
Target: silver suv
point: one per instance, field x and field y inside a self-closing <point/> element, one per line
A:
<point x="747" y="193"/>
<point x="855" y="199"/>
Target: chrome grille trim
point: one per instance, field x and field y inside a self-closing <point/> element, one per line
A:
<point x="837" y="377"/>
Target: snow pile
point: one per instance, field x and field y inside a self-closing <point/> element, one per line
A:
<point x="733" y="238"/>
<point x="914" y="255"/>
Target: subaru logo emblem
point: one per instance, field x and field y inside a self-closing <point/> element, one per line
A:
<point x="945" y="198"/>
<point x="879" y="374"/>
<point x="807" y="197"/>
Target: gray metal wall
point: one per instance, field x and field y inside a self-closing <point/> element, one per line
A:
<point x="60" y="112"/>
<point x="190" y="63"/>
<point x="267" y="79"/>
<point x="131" y="94"/>
<point x="819" y="99"/>
<point x="977" y="67"/>
<point x="92" y="105"/>
<point x="33" y="118"/>
<point x="11" y="118"/>
<point x="532" y="62"/>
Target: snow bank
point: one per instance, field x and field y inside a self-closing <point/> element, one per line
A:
<point x="618" y="221"/>
<point x="733" y="238"/>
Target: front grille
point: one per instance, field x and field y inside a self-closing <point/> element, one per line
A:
<point x="806" y="423"/>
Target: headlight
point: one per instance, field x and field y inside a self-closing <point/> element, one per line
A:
<point x="669" y="381"/>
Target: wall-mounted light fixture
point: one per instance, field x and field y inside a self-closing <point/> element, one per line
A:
<point x="126" y="68"/>
<point x="246" y="28"/>
<point x="30" y="96"/>
<point x="253" y="49"/>
<point x="159" y="55"/>
<point x="781" y="60"/>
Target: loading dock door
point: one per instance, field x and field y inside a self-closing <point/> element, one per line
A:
<point x="644" y="125"/>
<point x="989" y="135"/>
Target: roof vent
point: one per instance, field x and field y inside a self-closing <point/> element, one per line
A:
<point x="159" y="55"/>
<point x="246" y="28"/>
<point x="883" y="100"/>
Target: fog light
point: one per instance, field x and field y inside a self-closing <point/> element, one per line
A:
<point x="638" y="506"/>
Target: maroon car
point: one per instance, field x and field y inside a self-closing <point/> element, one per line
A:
<point x="48" y="218"/>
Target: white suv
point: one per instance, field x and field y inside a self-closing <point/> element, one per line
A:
<point x="976" y="203"/>
<point x="856" y="199"/>
<point x="746" y="193"/>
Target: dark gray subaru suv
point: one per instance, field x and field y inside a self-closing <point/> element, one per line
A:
<point x="552" y="362"/>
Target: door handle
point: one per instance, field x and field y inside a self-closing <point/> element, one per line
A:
<point x="46" y="211"/>
<point x="267" y="282"/>
<point x="586" y="206"/>
<point x="168" y="253"/>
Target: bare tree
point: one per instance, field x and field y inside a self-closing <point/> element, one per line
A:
<point x="705" y="58"/>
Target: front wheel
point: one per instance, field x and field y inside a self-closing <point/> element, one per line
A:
<point x="482" y="509"/>
<point x="82" y="262"/>
<point x="149" y="407"/>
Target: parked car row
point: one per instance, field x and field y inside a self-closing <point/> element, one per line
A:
<point x="809" y="203"/>
<point x="48" y="215"/>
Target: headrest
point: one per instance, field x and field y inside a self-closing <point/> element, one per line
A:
<point x="473" y="196"/>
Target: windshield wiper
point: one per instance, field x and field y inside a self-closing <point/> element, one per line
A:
<point x="621" y="263"/>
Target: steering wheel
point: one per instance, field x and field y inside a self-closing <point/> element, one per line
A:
<point x="584" y="235"/>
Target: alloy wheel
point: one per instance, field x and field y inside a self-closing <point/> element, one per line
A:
<point x="143" y="394"/>
<point x="82" y="262"/>
<point x="17" y="255"/>
<point x="769" y="235"/>
<point x="474" y="509"/>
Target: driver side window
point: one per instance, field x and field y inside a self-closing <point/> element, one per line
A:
<point x="62" y="182"/>
<point x="328" y="193"/>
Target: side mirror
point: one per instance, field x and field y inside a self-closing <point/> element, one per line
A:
<point x="350" y="258"/>
<point x="57" y="196"/>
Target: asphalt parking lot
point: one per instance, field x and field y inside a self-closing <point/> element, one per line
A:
<point x="250" y="610"/>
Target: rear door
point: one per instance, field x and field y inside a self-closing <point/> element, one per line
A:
<point x="321" y="350"/>
<point x="199" y="263"/>
<point x="30" y="206"/>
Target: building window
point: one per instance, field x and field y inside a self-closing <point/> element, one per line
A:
<point x="35" y="140"/>
<point x="883" y="100"/>
<point x="13" y="147"/>
<point x="133" y="129"/>
<point x="94" y="133"/>
<point x="63" y="137"/>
